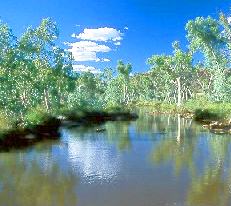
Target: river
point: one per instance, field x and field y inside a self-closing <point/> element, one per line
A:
<point x="158" y="160"/>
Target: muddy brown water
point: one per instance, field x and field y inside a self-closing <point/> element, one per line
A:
<point x="158" y="160"/>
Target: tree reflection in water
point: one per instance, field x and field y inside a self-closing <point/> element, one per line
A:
<point x="26" y="183"/>
<point x="211" y="176"/>
<point x="172" y="144"/>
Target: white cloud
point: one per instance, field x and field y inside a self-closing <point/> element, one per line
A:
<point x="117" y="43"/>
<point x="88" y="46"/>
<point x="106" y="60"/>
<point x="229" y="19"/>
<point x="100" y="34"/>
<point x="87" y="50"/>
<point x="83" y="68"/>
<point x="125" y="28"/>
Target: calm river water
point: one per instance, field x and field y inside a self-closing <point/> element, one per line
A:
<point x="154" y="161"/>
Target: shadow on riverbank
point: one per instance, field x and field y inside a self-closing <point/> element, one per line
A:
<point x="49" y="129"/>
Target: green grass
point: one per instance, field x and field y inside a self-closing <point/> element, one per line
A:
<point x="157" y="106"/>
<point x="220" y="109"/>
<point x="214" y="110"/>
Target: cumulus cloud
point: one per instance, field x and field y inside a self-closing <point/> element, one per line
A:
<point x="117" y="43"/>
<point x="88" y="45"/>
<point x="83" y="68"/>
<point x="100" y="34"/>
<point x="87" y="50"/>
<point x="106" y="60"/>
<point x="229" y="19"/>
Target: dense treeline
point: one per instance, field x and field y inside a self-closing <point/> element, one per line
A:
<point x="37" y="75"/>
<point x="37" y="78"/>
<point x="178" y="77"/>
<point x="34" y="72"/>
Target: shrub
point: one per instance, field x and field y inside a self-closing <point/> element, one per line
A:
<point x="206" y="115"/>
<point x="114" y="107"/>
<point x="5" y="123"/>
<point x="35" y="116"/>
<point x="194" y="104"/>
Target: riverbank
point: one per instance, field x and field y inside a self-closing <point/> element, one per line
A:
<point x="21" y="137"/>
<point x="216" y="117"/>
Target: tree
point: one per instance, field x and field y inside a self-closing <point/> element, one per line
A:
<point x="173" y="69"/>
<point x="205" y="36"/>
<point x="123" y="76"/>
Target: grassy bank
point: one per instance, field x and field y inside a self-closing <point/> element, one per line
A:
<point x="38" y="124"/>
<point x="222" y="110"/>
<point x="213" y="116"/>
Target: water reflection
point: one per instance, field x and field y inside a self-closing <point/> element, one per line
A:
<point x="26" y="181"/>
<point x="157" y="160"/>
<point x="177" y="146"/>
<point x="205" y="156"/>
<point x="90" y="154"/>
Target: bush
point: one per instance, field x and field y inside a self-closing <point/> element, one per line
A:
<point x="219" y="108"/>
<point x="6" y="123"/>
<point x="206" y="115"/>
<point x="194" y="104"/>
<point x="36" y="116"/>
<point x="114" y="107"/>
<point x="74" y="114"/>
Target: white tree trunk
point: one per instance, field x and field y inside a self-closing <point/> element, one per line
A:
<point x="45" y="93"/>
<point x="178" y="138"/>
<point x="178" y="91"/>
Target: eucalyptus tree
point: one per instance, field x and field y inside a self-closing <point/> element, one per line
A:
<point x="226" y="33"/>
<point x="87" y="93"/>
<point x="111" y="87"/>
<point x="33" y="70"/>
<point x="46" y="77"/>
<point x="226" y="29"/>
<point x="63" y="76"/>
<point x="205" y="36"/>
<point x="173" y="70"/>
<point x="182" y="72"/>
<point x="8" y="62"/>
<point x="123" y="76"/>
<point x="160" y="67"/>
<point x="142" y="87"/>
<point x="37" y="46"/>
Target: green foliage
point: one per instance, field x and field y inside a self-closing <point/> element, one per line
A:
<point x="195" y="104"/>
<point x="74" y="114"/>
<point x="34" y="71"/>
<point x="113" y="107"/>
<point x="222" y="110"/>
<point x="204" y="34"/>
<point x="36" y="116"/>
<point x="6" y="123"/>
<point x="201" y="115"/>
<point x="158" y="106"/>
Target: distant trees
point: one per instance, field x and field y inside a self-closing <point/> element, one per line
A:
<point x="178" y="77"/>
<point x="123" y="76"/>
<point x="36" y="73"/>
<point x="175" y="73"/>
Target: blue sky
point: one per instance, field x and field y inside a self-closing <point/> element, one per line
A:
<point x="141" y="27"/>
